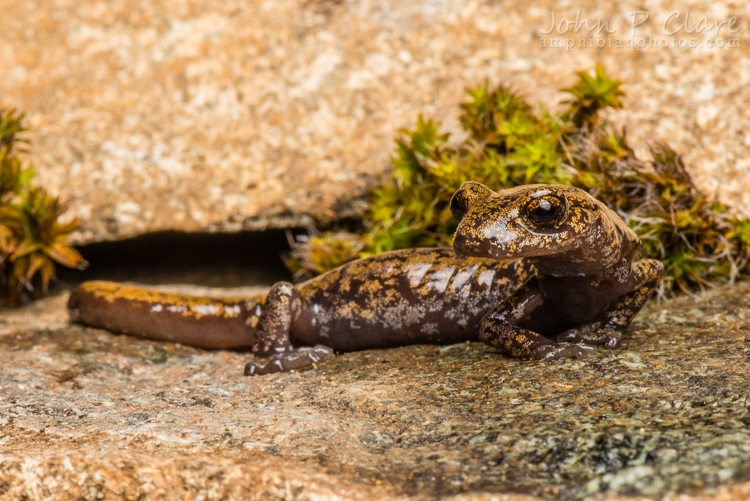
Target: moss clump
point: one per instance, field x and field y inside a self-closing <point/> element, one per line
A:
<point x="509" y="144"/>
<point x="32" y="239"/>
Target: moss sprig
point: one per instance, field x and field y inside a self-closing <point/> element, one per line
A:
<point x="509" y="144"/>
<point x="32" y="236"/>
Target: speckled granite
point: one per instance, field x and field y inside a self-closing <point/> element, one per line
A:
<point x="193" y="115"/>
<point x="87" y="413"/>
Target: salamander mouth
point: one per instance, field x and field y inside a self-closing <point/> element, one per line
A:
<point x="463" y="246"/>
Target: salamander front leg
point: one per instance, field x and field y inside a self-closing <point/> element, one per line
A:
<point x="272" y="349"/>
<point x="499" y="329"/>
<point x="608" y="329"/>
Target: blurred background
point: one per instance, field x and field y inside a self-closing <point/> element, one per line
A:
<point x="202" y="117"/>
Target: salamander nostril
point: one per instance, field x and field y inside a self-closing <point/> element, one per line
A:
<point x="457" y="207"/>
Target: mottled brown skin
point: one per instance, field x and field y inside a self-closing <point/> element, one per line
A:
<point x="397" y="298"/>
<point x="591" y="278"/>
<point x="581" y="275"/>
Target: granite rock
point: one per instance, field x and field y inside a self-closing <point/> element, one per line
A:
<point x="87" y="414"/>
<point x="238" y="114"/>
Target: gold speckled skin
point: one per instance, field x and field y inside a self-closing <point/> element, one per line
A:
<point x="529" y="262"/>
<point x="590" y="237"/>
<point x="404" y="297"/>
<point x="195" y="321"/>
<point x="391" y="299"/>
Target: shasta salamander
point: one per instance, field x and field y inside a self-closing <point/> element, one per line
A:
<point x="537" y="271"/>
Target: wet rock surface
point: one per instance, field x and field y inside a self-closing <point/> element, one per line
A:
<point x="84" y="413"/>
<point x="219" y="116"/>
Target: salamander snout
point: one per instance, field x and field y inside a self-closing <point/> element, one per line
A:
<point x="470" y="193"/>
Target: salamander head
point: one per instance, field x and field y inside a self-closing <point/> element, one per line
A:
<point x="556" y="226"/>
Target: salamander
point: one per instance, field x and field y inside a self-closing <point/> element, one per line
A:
<point x="538" y="271"/>
<point x="591" y="278"/>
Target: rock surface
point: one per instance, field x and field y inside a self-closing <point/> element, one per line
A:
<point x="224" y="115"/>
<point x="90" y="415"/>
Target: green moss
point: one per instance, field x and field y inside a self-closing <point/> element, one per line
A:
<point x="509" y="144"/>
<point x="32" y="239"/>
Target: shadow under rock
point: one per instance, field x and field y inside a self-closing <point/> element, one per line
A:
<point x="206" y="259"/>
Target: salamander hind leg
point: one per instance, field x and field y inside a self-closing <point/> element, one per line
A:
<point x="499" y="329"/>
<point x="272" y="348"/>
<point x="608" y="329"/>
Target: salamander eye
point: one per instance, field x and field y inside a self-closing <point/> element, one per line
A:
<point x="546" y="211"/>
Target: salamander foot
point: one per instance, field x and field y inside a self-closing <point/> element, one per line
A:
<point x="608" y="337"/>
<point x="562" y="350"/>
<point x="295" y="359"/>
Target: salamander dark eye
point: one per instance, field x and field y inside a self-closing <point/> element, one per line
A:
<point x="545" y="210"/>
